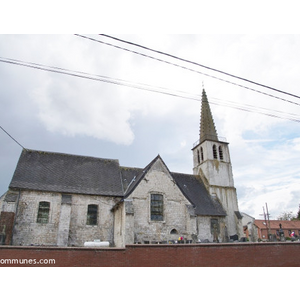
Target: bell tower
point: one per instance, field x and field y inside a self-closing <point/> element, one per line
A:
<point x="212" y="163"/>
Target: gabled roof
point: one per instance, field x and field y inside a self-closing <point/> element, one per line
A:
<point x="132" y="176"/>
<point x="65" y="173"/>
<point x="190" y="185"/>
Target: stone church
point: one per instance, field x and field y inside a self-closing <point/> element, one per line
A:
<point x="60" y="199"/>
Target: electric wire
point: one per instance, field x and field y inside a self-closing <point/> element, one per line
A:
<point x="256" y="109"/>
<point x="189" y="69"/>
<point x="200" y="65"/>
<point x="28" y="150"/>
<point x="25" y="149"/>
<point x="156" y="89"/>
<point x="12" y="138"/>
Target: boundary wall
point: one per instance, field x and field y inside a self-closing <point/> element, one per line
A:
<point x="178" y="255"/>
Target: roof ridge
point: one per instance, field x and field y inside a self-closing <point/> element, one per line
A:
<point x="68" y="154"/>
<point x="183" y="173"/>
<point x="135" y="168"/>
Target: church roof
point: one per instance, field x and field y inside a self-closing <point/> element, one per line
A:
<point x="66" y="173"/>
<point x="207" y="126"/>
<point x="194" y="190"/>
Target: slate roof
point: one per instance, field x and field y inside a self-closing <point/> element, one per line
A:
<point x="130" y="178"/>
<point x="194" y="190"/>
<point x="66" y="173"/>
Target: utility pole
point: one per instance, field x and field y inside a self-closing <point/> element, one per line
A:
<point x="268" y="215"/>
<point x="267" y="222"/>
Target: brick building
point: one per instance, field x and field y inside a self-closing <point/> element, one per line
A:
<point x="265" y="227"/>
<point x="65" y="200"/>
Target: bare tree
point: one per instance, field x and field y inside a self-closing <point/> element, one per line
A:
<point x="288" y="216"/>
<point x="298" y="214"/>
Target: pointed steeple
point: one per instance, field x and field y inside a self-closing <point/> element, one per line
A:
<point x="207" y="126"/>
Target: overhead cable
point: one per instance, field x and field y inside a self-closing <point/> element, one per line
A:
<point x="12" y="138"/>
<point x="200" y="65"/>
<point x="189" y="69"/>
<point x="156" y="89"/>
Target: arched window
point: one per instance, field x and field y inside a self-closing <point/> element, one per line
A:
<point x="201" y="152"/>
<point x="215" y="152"/>
<point x="92" y="214"/>
<point x="221" y="153"/>
<point x="198" y="156"/>
<point x="43" y="212"/>
<point x="174" y="231"/>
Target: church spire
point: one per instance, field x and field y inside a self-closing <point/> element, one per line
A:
<point x="207" y="125"/>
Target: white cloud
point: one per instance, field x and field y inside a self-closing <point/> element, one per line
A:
<point x="270" y="176"/>
<point x="83" y="109"/>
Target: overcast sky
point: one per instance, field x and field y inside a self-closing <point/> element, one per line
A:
<point x="55" y="112"/>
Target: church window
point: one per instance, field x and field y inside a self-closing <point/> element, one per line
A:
<point x="214" y="226"/>
<point x="92" y="214"/>
<point x="215" y="152"/>
<point x="221" y="153"/>
<point x="198" y="156"/>
<point x="156" y="207"/>
<point x="43" y="212"/>
<point x="201" y="152"/>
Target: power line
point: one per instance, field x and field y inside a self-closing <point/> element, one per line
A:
<point x="27" y="150"/>
<point x="95" y="77"/>
<point x="189" y="69"/>
<point x="156" y="89"/>
<point x="12" y="138"/>
<point x="200" y="65"/>
<point x="257" y="109"/>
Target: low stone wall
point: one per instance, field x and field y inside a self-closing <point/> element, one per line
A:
<point x="178" y="255"/>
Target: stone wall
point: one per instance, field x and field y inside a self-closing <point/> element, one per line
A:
<point x="67" y="221"/>
<point x="27" y="230"/>
<point x="228" y="198"/>
<point x="139" y="226"/>
<point x="80" y="232"/>
<point x="6" y="227"/>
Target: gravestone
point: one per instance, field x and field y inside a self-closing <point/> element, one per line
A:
<point x="281" y="234"/>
